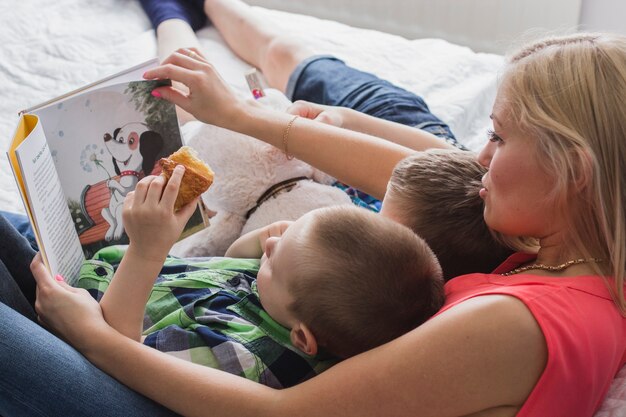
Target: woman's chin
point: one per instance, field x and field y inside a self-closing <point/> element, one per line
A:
<point x="490" y="220"/>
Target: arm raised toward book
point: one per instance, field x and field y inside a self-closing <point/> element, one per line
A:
<point x="152" y="227"/>
<point x="361" y="160"/>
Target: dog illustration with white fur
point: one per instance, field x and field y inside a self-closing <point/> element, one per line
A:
<point x="134" y="149"/>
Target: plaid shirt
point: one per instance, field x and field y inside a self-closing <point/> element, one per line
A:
<point x="359" y="198"/>
<point x="207" y="311"/>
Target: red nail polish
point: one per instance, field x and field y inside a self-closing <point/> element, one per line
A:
<point x="155" y="94"/>
<point x="59" y="278"/>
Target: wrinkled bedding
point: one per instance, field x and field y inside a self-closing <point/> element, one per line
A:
<point x="49" y="48"/>
<point x="53" y="47"/>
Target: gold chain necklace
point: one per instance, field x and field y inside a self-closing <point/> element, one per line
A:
<point x="552" y="268"/>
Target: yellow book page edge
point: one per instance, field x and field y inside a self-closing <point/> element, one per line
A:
<point x="26" y="125"/>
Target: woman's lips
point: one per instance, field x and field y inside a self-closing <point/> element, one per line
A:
<point x="483" y="191"/>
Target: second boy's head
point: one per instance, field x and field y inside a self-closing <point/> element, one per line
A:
<point x="435" y="193"/>
<point x="347" y="280"/>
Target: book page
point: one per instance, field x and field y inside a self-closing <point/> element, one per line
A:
<point x="44" y="199"/>
<point x="131" y="74"/>
<point x="102" y="143"/>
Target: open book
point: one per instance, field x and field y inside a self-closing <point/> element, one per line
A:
<point x="76" y="157"/>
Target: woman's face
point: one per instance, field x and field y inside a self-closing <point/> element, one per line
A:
<point x="516" y="185"/>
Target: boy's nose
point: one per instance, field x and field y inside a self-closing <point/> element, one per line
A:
<point x="269" y="245"/>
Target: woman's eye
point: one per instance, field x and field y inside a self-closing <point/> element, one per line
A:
<point x="493" y="137"/>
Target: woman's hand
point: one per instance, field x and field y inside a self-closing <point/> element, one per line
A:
<point x="69" y="312"/>
<point x="329" y="115"/>
<point x="209" y="98"/>
<point x="149" y="218"/>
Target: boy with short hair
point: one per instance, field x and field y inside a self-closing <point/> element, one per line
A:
<point x="339" y="280"/>
<point x="435" y="193"/>
<point x="344" y="269"/>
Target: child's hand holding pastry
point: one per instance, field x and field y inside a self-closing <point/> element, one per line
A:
<point x="198" y="175"/>
<point x="150" y="220"/>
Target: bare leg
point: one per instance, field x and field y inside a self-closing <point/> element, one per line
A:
<point x="174" y="34"/>
<point x="256" y="43"/>
<point x="171" y="35"/>
<point x="247" y="34"/>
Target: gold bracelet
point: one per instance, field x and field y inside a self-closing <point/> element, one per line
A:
<point x="286" y="137"/>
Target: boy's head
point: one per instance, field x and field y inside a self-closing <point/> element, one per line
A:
<point x="435" y="193"/>
<point x="348" y="280"/>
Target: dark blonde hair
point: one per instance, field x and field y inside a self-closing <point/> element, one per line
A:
<point x="567" y="93"/>
<point x="364" y="281"/>
<point x="436" y="194"/>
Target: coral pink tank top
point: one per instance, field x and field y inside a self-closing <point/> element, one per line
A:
<point x="584" y="331"/>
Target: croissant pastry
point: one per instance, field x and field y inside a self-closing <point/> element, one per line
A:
<point x="197" y="179"/>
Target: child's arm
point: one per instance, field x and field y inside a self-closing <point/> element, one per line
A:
<point x="252" y="244"/>
<point x="350" y="119"/>
<point x="152" y="228"/>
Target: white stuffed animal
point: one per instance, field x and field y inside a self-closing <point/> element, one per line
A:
<point x="245" y="169"/>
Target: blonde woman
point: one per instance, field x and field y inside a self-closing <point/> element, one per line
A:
<point x="543" y="335"/>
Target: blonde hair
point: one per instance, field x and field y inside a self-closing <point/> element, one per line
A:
<point x="363" y="280"/>
<point x="568" y="93"/>
<point x="436" y="194"/>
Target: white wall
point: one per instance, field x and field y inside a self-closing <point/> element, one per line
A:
<point x="603" y="15"/>
<point x="484" y="25"/>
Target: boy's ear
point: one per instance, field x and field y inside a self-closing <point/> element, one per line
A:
<point x="303" y="339"/>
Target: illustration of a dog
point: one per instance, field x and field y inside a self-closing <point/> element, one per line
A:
<point x="134" y="149"/>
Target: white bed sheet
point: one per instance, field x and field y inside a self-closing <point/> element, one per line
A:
<point x="49" y="48"/>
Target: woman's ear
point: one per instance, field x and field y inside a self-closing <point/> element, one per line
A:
<point x="303" y="339"/>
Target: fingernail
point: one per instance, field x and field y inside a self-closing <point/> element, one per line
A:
<point x="144" y="74"/>
<point x="156" y="94"/>
<point x="59" y="278"/>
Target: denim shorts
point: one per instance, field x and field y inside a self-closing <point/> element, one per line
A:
<point x="324" y="79"/>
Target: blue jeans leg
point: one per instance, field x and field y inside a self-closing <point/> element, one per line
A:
<point x="324" y="79"/>
<point x="17" y="285"/>
<point x="40" y="375"/>
<point x="21" y="223"/>
<point x="12" y="296"/>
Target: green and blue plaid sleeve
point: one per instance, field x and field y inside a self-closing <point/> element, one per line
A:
<point x="207" y="311"/>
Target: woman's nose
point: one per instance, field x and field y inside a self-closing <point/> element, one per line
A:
<point x="485" y="155"/>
